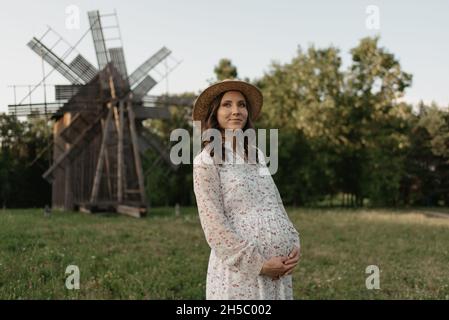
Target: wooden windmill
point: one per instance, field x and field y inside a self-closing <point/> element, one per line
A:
<point x="98" y="136"/>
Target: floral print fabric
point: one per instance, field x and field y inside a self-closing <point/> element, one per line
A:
<point x="245" y="224"/>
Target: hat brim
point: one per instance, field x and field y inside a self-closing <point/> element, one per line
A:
<point x="251" y="92"/>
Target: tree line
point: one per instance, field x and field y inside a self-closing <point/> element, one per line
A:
<point x="344" y="133"/>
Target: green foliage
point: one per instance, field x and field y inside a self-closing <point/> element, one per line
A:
<point x="21" y="184"/>
<point x="225" y="70"/>
<point x="348" y="131"/>
<point x="436" y="122"/>
<point x="426" y="181"/>
<point x="163" y="185"/>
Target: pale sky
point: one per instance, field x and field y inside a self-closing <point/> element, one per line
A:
<point x="250" y="33"/>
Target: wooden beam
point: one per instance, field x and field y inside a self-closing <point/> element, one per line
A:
<point x="135" y="146"/>
<point x="85" y="209"/>
<point x="120" y="156"/>
<point x="100" y="160"/>
<point x="136" y="212"/>
<point x="108" y="174"/>
<point x="68" y="192"/>
<point x="70" y="132"/>
<point x="132" y="191"/>
<point x="142" y="113"/>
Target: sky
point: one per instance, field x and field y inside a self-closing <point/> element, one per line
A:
<point x="252" y="34"/>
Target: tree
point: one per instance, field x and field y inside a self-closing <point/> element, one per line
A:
<point x="225" y="70"/>
<point x="436" y="122"/>
<point x="426" y="181"/>
<point x="378" y="134"/>
<point x="11" y="150"/>
<point x="163" y="186"/>
<point x="21" y="183"/>
<point x="301" y="98"/>
<point x="351" y="120"/>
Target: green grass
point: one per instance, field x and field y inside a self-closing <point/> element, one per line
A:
<point x="165" y="257"/>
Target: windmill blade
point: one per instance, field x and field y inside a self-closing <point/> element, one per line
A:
<point x="143" y="87"/>
<point x="65" y="92"/>
<point x="118" y="60"/>
<point x="149" y="64"/>
<point x="55" y="61"/>
<point x="34" y="109"/>
<point x="83" y="68"/>
<point x="98" y="38"/>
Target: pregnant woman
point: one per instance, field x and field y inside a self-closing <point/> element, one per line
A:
<point x="254" y="245"/>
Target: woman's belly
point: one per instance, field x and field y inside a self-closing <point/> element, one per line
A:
<point x="269" y="230"/>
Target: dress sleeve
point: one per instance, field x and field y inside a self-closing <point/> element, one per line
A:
<point x="228" y="246"/>
<point x="293" y="230"/>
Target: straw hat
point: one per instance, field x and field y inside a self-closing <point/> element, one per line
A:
<point x="251" y="93"/>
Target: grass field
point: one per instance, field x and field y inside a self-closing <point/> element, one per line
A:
<point x="165" y="257"/>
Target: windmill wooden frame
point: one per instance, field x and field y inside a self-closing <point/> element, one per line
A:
<point x="98" y="136"/>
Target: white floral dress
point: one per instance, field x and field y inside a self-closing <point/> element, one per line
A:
<point x="245" y="224"/>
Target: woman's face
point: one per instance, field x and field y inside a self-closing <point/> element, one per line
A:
<point x="232" y="112"/>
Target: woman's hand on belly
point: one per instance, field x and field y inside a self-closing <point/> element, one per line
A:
<point x="292" y="261"/>
<point x="274" y="267"/>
